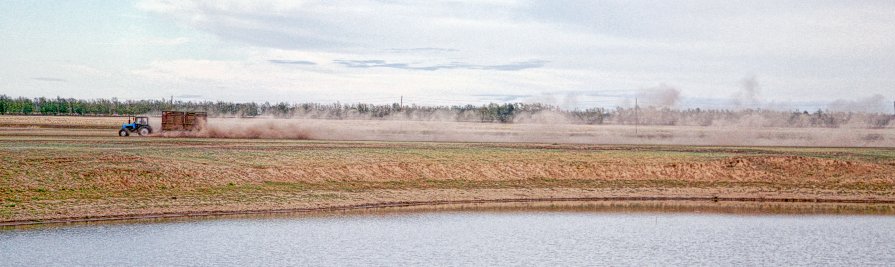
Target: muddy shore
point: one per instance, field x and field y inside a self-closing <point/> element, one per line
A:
<point x="714" y="204"/>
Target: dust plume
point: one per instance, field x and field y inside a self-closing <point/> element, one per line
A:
<point x="248" y="129"/>
<point x="452" y="131"/>
<point x="749" y="94"/>
<point x="873" y="104"/>
<point x="657" y="121"/>
<point x="663" y="96"/>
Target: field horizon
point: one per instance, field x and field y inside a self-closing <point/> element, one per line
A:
<point x="543" y="131"/>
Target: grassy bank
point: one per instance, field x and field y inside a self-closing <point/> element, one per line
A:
<point x="75" y="175"/>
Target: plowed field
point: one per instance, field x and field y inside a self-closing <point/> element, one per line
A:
<point x="73" y="174"/>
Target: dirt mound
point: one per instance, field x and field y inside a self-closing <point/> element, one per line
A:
<point x="789" y="167"/>
<point x="800" y="164"/>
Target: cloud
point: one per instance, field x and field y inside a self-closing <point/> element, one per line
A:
<point x="698" y="45"/>
<point x="515" y="66"/>
<point x="817" y="51"/>
<point x="710" y="28"/>
<point x="166" y="41"/>
<point x="188" y="96"/>
<point x="503" y="97"/>
<point x="291" y="62"/>
<point x="144" y="42"/>
<point x="48" y="79"/>
<point x="422" y="50"/>
<point x="330" y="25"/>
<point x="258" y="80"/>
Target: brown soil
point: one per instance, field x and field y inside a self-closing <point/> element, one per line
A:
<point x="51" y="175"/>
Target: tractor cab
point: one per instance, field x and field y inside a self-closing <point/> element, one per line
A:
<point x="138" y="124"/>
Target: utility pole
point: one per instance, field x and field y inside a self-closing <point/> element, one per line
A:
<point x="402" y="103"/>
<point x="636" y="116"/>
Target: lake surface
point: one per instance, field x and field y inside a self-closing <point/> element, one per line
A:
<point x="482" y="238"/>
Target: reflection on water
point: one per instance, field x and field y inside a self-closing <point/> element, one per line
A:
<point x="466" y="238"/>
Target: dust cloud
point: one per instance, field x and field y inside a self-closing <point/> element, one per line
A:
<point x="663" y="96"/>
<point x="872" y="104"/>
<point x="856" y="123"/>
<point x="247" y="129"/>
<point x="448" y="131"/>
<point x="749" y="94"/>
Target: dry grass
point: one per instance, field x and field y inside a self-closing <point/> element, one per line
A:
<point x="47" y="177"/>
<point x="51" y="173"/>
<point x="127" y="163"/>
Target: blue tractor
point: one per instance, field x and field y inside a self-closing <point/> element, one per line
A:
<point x="140" y="125"/>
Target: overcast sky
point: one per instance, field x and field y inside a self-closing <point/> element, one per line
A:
<point x="786" y="54"/>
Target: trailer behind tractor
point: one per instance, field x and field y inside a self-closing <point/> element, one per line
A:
<point x="183" y="121"/>
<point x="171" y="121"/>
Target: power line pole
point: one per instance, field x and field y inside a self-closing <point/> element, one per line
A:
<point x="636" y="116"/>
<point x="402" y="103"/>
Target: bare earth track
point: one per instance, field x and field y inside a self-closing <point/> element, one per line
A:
<point x="86" y="174"/>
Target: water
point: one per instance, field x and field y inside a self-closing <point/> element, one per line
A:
<point x="466" y="238"/>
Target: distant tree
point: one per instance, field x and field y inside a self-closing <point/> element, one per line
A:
<point x="4" y="104"/>
<point x="27" y="106"/>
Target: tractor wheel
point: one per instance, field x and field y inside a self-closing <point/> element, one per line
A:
<point x="123" y="132"/>
<point x="143" y="131"/>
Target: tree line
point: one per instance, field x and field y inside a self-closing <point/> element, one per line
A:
<point x="490" y="113"/>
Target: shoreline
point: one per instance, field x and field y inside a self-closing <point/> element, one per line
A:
<point x="441" y="203"/>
